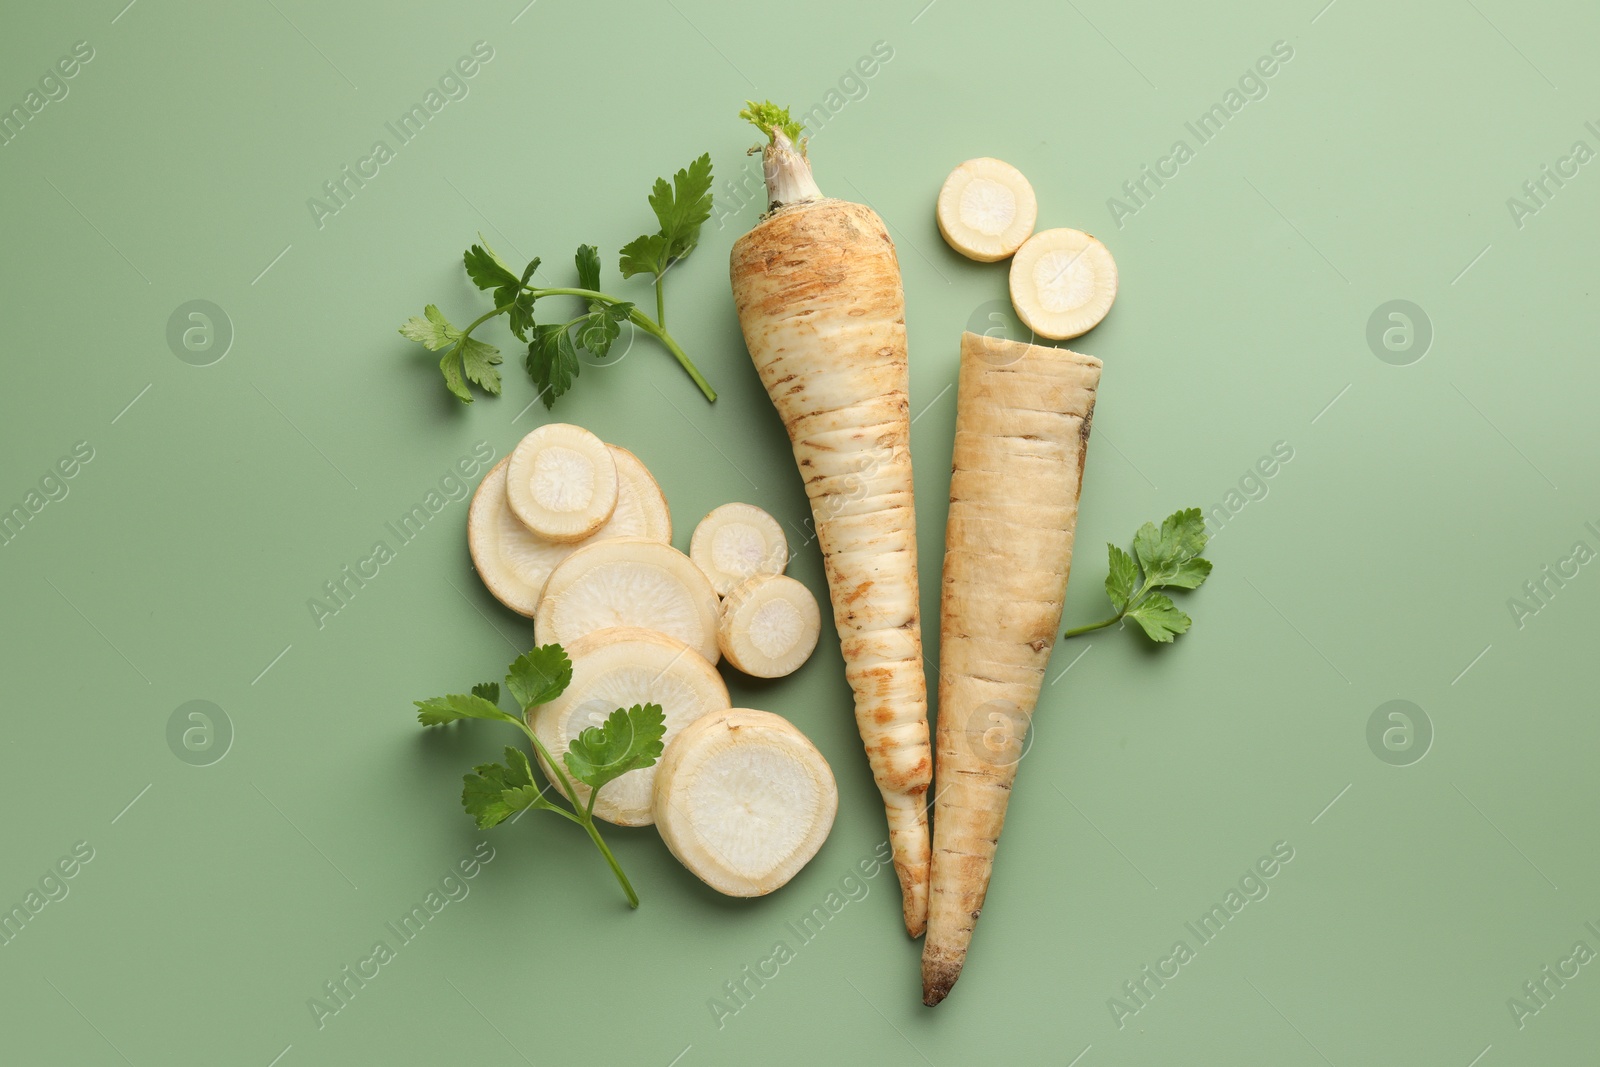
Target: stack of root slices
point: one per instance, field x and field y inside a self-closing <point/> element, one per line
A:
<point x="575" y="534"/>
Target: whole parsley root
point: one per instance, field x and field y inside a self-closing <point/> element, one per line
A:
<point x="552" y="360"/>
<point x="1022" y="424"/>
<point x="817" y="287"/>
<point x="631" y="738"/>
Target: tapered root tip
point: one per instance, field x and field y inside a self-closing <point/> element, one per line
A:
<point x="938" y="976"/>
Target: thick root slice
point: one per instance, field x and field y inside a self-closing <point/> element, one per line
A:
<point x="629" y="581"/>
<point x="744" y="800"/>
<point x="1062" y="283"/>
<point x="737" y="542"/>
<point x="769" y="626"/>
<point x="514" y="562"/>
<point x="619" y="668"/>
<point x="641" y="505"/>
<point x="986" y="209"/>
<point x="562" y="482"/>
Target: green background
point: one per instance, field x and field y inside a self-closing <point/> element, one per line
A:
<point x="1378" y="565"/>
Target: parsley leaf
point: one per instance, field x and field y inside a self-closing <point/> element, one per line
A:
<point x="552" y="361"/>
<point x="539" y="676"/>
<point x="479" y="361"/>
<point x="1170" y="559"/>
<point x="681" y="208"/>
<point x="486" y="269"/>
<point x="588" y="262"/>
<point x="684" y="207"/>
<point x="1159" y="617"/>
<point x="644" y="255"/>
<point x="629" y="740"/>
<point x="436" y="711"/>
<point x="432" y="332"/>
<point x="1119" y="581"/>
<point x="494" y="792"/>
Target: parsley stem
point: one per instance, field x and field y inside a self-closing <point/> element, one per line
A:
<point x="1076" y="630"/>
<point x="661" y="300"/>
<point x="627" y="887"/>
<point x="639" y="319"/>
<point x="584" y="816"/>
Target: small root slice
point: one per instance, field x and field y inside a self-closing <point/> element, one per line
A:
<point x="744" y="800"/>
<point x="769" y="626"/>
<point x="737" y="542"/>
<point x="1063" y="283"/>
<point x="562" y="482"/>
<point x="514" y="562"/>
<point x="618" y="668"/>
<point x="629" y="581"/>
<point x="986" y="209"/>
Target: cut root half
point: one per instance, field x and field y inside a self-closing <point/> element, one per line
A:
<point x="629" y="581"/>
<point x="619" y="668"/>
<point x="737" y="542"/>
<point x="562" y="482"/>
<point x="1063" y="283"/>
<point x="514" y="562"/>
<point x="744" y="800"/>
<point x="769" y="626"/>
<point x="986" y="209"/>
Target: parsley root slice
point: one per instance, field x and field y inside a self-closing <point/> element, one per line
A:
<point x="629" y="581"/>
<point x="1062" y="283"/>
<point x="817" y="287"/>
<point x="562" y="482"/>
<point x="769" y="626"/>
<point x="986" y="209"/>
<point x="744" y="800"/>
<point x="514" y="562"/>
<point x="1022" y="423"/>
<point x="618" y="668"/>
<point x="736" y="542"/>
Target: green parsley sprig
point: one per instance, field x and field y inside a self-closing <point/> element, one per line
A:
<point x="631" y="738"/>
<point x="1170" y="559"/>
<point x="552" y="360"/>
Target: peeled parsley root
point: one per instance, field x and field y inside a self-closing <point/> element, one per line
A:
<point x="736" y="542"/>
<point x="629" y="581"/>
<point x="744" y="800"/>
<point x="1022" y="425"/>
<point x="514" y="562"/>
<point x="618" y="668"/>
<point x="769" y="626"/>
<point x="562" y="482"/>
<point x="1062" y="283"/>
<point x="986" y="209"/>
